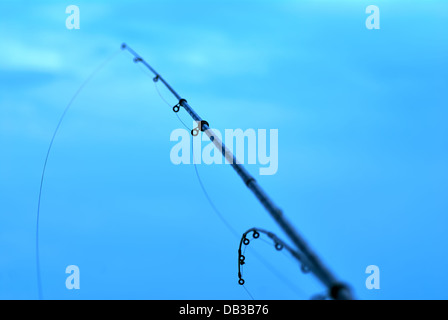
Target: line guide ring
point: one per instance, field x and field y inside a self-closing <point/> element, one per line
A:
<point x="201" y="124"/>
<point x="176" y="108"/>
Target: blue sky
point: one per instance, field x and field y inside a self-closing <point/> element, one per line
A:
<point x="363" y="147"/>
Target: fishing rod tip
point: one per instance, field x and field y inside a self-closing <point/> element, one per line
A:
<point x="123" y="45"/>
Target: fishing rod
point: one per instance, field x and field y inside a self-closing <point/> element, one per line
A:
<point x="279" y="244"/>
<point x="336" y="289"/>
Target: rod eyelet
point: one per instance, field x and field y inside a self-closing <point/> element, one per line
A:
<point x="195" y="132"/>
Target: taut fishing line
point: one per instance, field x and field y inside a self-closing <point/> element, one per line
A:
<point x="242" y="267"/>
<point x="271" y="268"/>
<point x="77" y="92"/>
<point x="308" y="258"/>
<point x="204" y="190"/>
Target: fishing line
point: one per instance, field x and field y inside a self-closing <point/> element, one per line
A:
<point x="271" y="268"/>
<point x="77" y="92"/>
<point x="336" y="289"/>
<point x="201" y="184"/>
<point x="236" y="234"/>
<point x="170" y="105"/>
<point x="161" y="96"/>
<point x="215" y="209"/>
<point x="242" y="270"/>
<point x="248" y="292"/>
<point x="71" y="101"/>
<point x="226" y="223"/>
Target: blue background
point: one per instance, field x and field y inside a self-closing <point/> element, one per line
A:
<point x="363" y="146"/>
